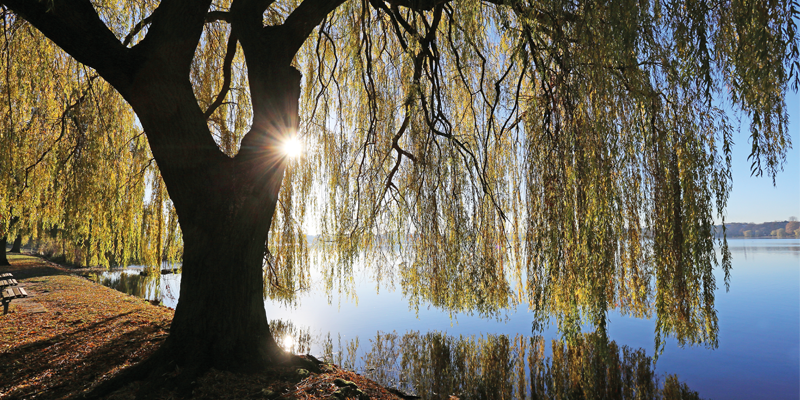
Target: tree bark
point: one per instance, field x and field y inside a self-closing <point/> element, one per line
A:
<point x="3" y="258"/>
<point x="220" y="319"/>
<point x="17" y="246"/>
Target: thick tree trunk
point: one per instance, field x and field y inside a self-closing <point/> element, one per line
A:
<point x="220" y="318"/>
<point x="17" y="246"/>
<point x="225" y="207"/>
<point x="3" y="258"/>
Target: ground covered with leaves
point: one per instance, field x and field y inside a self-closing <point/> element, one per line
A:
<point x="72" y="334"/>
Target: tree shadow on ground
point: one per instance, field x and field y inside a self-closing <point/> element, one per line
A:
<point x="63" y="365"/>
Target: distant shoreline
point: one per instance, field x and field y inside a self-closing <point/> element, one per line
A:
<point x="761" y="237"/>
<point x="788" y="229"/>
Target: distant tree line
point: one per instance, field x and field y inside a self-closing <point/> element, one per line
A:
<point x="778" y="229"/>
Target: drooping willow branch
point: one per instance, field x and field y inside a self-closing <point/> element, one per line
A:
<point x="64" y="115"/>
<point x="230" y="52"/>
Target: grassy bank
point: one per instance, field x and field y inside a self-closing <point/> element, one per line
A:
<point x="72" y="334"/>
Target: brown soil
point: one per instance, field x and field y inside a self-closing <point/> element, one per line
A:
<point x="72" y="334"/>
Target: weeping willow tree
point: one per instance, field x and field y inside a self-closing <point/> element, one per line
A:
<point x="73" y="161"/>
<point x="580" y="145"/>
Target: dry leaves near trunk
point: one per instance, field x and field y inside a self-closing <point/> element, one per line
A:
<point x="72" y="334"/>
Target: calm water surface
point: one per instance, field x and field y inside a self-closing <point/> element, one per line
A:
<point x="759" y="323"/>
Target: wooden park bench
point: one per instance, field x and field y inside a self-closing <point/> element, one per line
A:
<point x="7" y="282"/>
<point x="9" y="292"/>
<point x="12" y="293"/>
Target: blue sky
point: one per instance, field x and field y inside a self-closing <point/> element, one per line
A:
<point x="755" y="199"/>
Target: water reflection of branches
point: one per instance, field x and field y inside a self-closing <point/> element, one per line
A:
<point x="501" y="367"/>
<point x="294" y="339"/>
<point x="436" y="366"/>
<point x="146" y="286"/>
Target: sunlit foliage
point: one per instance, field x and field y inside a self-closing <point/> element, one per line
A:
<point x="75" y="165"/>
<point x="566" y="155"/>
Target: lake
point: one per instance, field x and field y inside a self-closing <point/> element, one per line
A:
<point x="759" y="328"/>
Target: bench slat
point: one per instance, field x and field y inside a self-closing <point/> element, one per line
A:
<point x="13" y="293"/>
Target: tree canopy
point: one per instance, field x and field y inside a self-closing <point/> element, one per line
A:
<point x="567" y="155"/>
<point x="74" y="161"/>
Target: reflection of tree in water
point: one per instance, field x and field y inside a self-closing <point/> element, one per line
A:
<point x="293" y="339"/>
<point x="498" y="367"/>
<point x="144" y="286"/>
<point x="436" y="366"/>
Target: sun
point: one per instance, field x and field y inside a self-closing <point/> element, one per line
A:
<point x="293" y="147"/>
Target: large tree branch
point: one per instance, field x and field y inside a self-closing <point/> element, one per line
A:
<point x="274" y="83"/>
<point x="75" y="26"/>
<point x="212" y="16"/>
<point x="302" y="21"/>
<point x="174" y="33"/>
<point x="187" y="156"/>
<point x="247" y="17"/>
<point x="519" y="8"/>
<point x="247" y="24"/>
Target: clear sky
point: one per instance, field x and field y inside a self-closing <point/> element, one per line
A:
<point x="755" y="199"/>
